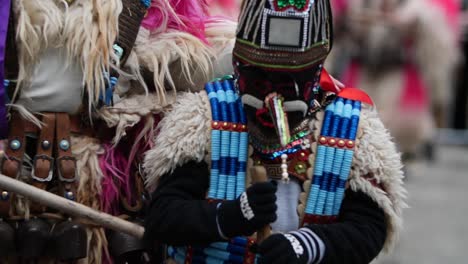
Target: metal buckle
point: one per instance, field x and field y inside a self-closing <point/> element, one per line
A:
<point x="20" y="164"/>
<point x="59" y="167"/>
<point x="51" y="169"/>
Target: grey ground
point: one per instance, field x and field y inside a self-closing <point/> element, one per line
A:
<point x="436" y="225"/>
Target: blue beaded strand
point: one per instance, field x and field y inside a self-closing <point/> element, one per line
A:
<point x="234" y="142"/>
<point x="243" y="149"/>
<point x="318" y="175"/>
<point x="146" y="3"/>
<point x="225" y="143"/>
<point x="215" y="142"/>
<point x="328" y="176"/>
<point x="311" y="205"/>
<point x="348" y="156"/>
<point x="221" y="96"/>
<point x="327" y="119"/>
<point x="332" y="164"/>
<point x="222" y="182"/>
<point x="229" y="151"/>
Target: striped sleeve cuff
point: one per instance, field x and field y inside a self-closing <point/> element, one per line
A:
<point x="220" y="232"/>
<point x="313" y="245"/>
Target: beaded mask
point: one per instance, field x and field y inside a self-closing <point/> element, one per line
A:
<point x="278" y="56"/>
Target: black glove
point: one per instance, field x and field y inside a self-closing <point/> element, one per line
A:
<point x="282" y="249"/>
<point x="254" y="209"/>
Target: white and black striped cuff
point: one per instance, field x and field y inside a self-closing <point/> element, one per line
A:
<point x="220" y="231"/>
<point x="312" y="243"/>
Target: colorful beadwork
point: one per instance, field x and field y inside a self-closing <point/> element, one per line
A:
<point x="333" y="160"/>
<point x="119" y="51"/>
<point x="146" y="3"/>
<point x="108" y="95"/>
<point x="336" y="142"/>
<point x="234" y="251"/>
<point x="297" y="4"/>
<point x="297" y="165"/>
<point x="229" y="153"/>
<point x="229" y="143"/>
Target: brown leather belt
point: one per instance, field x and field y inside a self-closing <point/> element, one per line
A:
<point x="66" y="163"/>
<point x="14" y="153"/>
<point x="43" y="163"/>
<point x="76" y="125"/>
<point x="53" y="154"/>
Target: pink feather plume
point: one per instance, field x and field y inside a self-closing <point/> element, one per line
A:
<point x="182" y="15"/>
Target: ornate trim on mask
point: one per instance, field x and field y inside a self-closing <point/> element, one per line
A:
<point x="294" y="5"/>
<point x="281" y="23"/>
<point x="286" y="60"/>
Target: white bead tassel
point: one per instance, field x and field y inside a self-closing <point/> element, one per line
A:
<point x="284" y="168"/>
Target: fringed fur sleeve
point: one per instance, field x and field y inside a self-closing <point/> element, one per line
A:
<point x="377" y="171"/>
<point x="183" y="136"/>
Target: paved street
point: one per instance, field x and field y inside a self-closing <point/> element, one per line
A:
<point x="436" y="225"/>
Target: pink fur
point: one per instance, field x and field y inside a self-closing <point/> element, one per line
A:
<point x="112" y="164"/>
<point x="226" y="4"/>
<point x="182" y="15"/>
<point x="118" y="164"/>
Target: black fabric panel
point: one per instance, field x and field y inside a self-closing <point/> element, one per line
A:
<point x="179" y="213"/>
<point x="359" y="234"/>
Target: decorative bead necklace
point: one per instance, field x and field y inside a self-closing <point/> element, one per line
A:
<point x="280" y="162"/>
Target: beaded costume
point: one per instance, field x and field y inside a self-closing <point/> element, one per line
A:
<point x="84" y="87"/>
<point x="326" y="149"/>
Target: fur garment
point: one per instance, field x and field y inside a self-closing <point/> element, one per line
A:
<point x="86" y="29"/>
<point x="184" y="135"/>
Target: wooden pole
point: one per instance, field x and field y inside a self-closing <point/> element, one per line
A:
<point x="70" y="207"/>
<point x="258" y="174"/>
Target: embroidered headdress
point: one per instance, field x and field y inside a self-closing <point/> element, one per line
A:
<point x="278" y="56"/>
<point x="284" y="34"/>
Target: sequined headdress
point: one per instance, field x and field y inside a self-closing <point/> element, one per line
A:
<point x="284" y="34"/>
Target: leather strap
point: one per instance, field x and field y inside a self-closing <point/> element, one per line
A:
<point x="13" y="157"/>
<point x="43" y="164"/>
<point x="130" y="20"/>
<point x="66" y="163"/>
<point x="77" y="126"/>
<point x="11" y="57"/>
<point x="30" y="127"/>
<point x="80" y="126"/>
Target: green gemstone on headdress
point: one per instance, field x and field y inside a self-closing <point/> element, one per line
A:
<point x="299" y="4"/>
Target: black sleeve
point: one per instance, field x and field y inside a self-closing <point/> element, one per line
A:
<point x="179" y="213"/>
<point x="359" y="234"/>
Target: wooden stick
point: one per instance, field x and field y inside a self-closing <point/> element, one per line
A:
<point x="258" y="174"/>
<point x="70" y="207"/>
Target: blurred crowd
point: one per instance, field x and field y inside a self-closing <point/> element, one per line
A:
<point x="404" y="53"/>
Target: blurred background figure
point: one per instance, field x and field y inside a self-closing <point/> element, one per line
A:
<point x="227" y="8"/>
<point x="403" y="53"/>
<point x="461" y="95"/>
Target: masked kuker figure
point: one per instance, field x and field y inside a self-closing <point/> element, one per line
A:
<point x="86" y="84"/>
<point x="334" y="193"/>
